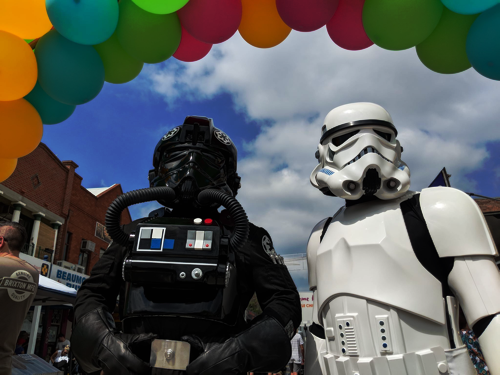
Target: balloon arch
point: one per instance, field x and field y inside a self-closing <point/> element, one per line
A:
<point x="56" y="54"/>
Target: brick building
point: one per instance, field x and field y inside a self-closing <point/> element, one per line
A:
<point x="65" y="220"/>
<point x="65" y="225"/>
<point x="491" y="211"/>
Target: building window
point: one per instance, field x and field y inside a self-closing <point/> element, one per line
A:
<point x="101" y="252"/>
<point x="5" y="211"/>
<point x="67" y="244"/>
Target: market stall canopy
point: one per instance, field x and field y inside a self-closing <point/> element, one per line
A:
<point x="51" y="292"/>
<point x="26" y="364"/>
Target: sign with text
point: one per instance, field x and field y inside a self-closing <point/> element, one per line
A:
<point x="41" y="265"/>
<point x="68" y="277"/>
<point x="306" y="301"/>
<point x="102" y="233"/>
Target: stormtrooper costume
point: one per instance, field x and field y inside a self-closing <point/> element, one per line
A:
<point x="390" y="269"/>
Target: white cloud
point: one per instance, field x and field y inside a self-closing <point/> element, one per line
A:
<point x="443" y="120"/>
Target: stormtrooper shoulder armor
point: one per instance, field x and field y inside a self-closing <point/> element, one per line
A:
<point x="456" y="224"/>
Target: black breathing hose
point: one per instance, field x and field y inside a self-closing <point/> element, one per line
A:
<point x="241" y="227"/>
<point x="128" y="199"/>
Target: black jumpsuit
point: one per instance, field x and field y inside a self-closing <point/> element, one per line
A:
<point x="257" y="273"/>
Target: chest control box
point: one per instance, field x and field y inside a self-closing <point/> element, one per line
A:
<point x="177" y="251"/>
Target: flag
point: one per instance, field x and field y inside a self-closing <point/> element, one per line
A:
<point x="442" y="179"/>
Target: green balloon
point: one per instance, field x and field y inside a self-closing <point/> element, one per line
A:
<point x="444" y="50"/>
<point x="50" y="110"/>
<point x="160" y="6"/>
<point x="148" y="37"/>
<point x="119" y="66"/>
<point x="400" y="24"/>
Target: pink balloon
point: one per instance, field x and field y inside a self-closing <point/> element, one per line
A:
<point x="306" y="15"/>
<point x="211" y="21"/>
<point x="191" y="49"/>
<point x="346" y="26"/>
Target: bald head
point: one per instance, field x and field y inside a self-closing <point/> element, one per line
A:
<point x="14" y="234"/>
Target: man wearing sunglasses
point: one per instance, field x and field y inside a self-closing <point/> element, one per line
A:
<point x="18" y="286"/>
<point x="390" y="269"/>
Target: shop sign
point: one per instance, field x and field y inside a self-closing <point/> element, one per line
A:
<point x="42" y="266"/>
<point x="306" y="302"/>
<point x="68" y="277"/>
<point x="102" y="233"/>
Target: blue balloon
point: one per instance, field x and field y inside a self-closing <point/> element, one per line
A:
<point x="84" y="21"/>
<point x="469" y="6"/>
<point x="50" y="110"/>
<point x="70" y="73"/>
<point x="483" y="43"/>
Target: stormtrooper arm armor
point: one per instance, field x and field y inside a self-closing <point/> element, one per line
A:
<point x="316" y="344"/>
<point x="458" y="229"/>
<point x="476" y="283"/>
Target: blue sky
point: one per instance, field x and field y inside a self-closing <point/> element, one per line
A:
<point x="272" y="103"/>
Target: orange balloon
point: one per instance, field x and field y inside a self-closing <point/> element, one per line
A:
<point x="261" y="25"/>
<point x="27" y="19"/>
<point x="21" y="129"/>
<point x="7" y="167"/>
<point x="18" y="69"/>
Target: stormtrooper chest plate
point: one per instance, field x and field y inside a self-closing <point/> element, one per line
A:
<point x="366" y="253"/>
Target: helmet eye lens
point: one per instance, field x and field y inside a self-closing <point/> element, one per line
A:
<point x="337" y="141"/>
<point x="386" y="136"/>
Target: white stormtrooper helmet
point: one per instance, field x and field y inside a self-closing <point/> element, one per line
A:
<point x="359" y="154"/>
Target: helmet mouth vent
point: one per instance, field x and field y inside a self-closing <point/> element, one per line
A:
<point x="371" y="182"/>
<point x="188" y="189"/>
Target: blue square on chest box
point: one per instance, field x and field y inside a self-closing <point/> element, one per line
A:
<point x="168" y="244"/>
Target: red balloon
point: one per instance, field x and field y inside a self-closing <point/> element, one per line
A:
<point x="191" y="49"/>
<point x="346" y="26"/>
<point x="306" y="15"/>
<point x="213" y="21"/>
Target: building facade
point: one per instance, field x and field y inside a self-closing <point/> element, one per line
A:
<point x="490" y="208"/>
<point x="65" y="225"/>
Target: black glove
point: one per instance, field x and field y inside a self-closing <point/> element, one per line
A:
<point x="96" y="345"/>
<point x="265" y="347"/>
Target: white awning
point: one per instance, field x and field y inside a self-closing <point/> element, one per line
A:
<point x="51" y="292"/>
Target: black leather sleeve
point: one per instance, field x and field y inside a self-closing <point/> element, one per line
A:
<point x="275" y="289"/>
<point x="101" y="289"/>
<point x="97" y="345"/>
<point x="264" y="346"/>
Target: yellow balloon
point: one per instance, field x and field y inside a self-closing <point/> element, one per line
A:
<point x="21" y="129"/>
<point x="27" y="19"/>
<point x="7" y="167"/>
<point x="18" y="69"/>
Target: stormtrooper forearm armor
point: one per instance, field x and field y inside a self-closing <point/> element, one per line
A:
<point x="476" y="283"/>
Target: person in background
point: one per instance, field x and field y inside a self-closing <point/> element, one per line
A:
<point x="18" y="287"/>
<point x="19" y="350"/>
<point x="297" y="359"/>
<point x="22" y="342"/>
<point x="62" y="342"/>
<point x="60" y="358"/>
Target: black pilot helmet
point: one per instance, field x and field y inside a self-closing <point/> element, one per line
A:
<point x="192" y="157"/>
